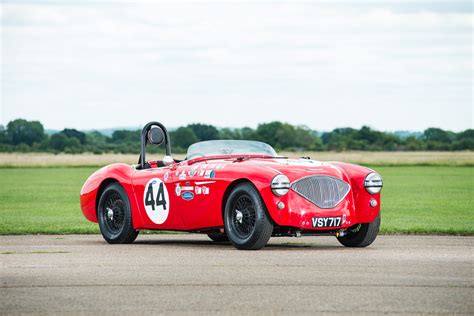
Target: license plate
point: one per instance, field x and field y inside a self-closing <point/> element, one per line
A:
<point x="322" y="222"/>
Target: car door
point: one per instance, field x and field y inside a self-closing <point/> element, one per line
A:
<point x="196" y="190"/>
<point x="157" y="202"/>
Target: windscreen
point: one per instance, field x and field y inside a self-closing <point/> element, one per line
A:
<point x="229" y="147"/>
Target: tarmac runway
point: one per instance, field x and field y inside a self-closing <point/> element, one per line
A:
<point x="189" y="274"/>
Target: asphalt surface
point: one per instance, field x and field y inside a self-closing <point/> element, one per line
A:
<point x="188" y="274"/>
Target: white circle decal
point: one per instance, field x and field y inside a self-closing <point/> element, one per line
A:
<point x="156" y="201"/>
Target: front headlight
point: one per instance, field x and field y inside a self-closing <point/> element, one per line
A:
<point x="280" y="185"/>
<point x="373" y="183"/>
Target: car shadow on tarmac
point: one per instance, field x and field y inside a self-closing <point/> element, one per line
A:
<point x="212" y="244"/>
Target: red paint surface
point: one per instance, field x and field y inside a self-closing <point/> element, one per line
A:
<point x="205" y="210"/>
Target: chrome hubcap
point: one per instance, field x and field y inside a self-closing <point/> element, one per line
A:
<point x="110" y="213"/>
<point x="239" y="216"/>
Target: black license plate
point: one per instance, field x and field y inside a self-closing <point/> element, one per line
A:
<point x="322" y="222"/>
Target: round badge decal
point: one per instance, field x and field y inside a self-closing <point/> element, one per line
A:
<point x="156" y="201"/>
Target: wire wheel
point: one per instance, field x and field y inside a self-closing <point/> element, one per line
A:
<point x="113" y="213"/>
<point x="243" y="216"/>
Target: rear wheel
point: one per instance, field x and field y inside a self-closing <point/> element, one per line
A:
<point x="245" y="218"/>
<point x="361" y="235"/>
<point x="218" y="237"/>
<point x="115" y="216"/>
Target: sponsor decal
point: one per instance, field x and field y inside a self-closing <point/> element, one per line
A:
<point x="321" y="222"/>
<point x="187" y="188"/>
<point x="213" y="174"/>
<point x="188" y="196"/>
<point x="166" y="176"/>
<point x="182" y="176"/>
<point x="177" y="190"/>
<point x="156" y="201"/>
<point x="201" y="190"/>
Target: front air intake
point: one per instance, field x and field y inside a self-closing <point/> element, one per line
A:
<point x="322" y="191"/>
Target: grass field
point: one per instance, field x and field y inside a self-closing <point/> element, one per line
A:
<point x="416" y="199"/>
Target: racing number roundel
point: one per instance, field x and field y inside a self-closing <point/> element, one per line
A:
<point x="156" y="201"/>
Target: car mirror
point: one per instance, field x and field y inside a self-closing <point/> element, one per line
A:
<point x="156" y="135"/>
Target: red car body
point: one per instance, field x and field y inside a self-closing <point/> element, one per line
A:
<point x="209" y="180"/>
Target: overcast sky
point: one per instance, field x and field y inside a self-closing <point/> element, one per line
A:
<point x="392" y="65"/>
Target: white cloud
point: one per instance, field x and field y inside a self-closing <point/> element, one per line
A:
<point x="390" y="64"/>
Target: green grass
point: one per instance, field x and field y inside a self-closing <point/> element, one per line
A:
<point x="415" y="200"/>
<point x="43" y="200"/>
<point x="428" y="200"/>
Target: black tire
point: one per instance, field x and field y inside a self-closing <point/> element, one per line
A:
<point x="252" y="229"/>
<point x="115" y="217"/>
<point x="218" y="237"/>
<point x="362" y="235"/>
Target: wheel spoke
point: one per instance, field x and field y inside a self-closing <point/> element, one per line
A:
<point x="114" y="213"/>
<point x="243" y="215"/>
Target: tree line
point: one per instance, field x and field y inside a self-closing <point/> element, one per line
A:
<point x="29" y="136"/>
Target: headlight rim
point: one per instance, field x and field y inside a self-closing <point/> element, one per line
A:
<point x="282" y="189"/>
<point x="373" y="189"/>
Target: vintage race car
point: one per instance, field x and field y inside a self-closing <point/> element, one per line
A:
<point x="233" y="190"/>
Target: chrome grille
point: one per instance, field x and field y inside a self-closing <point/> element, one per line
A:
<point x="322" y="191"/>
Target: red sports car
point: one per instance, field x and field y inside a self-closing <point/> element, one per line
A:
<point x="233" y="190"/>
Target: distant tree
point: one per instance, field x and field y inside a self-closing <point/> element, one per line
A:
<point x="73" y="146"/>
<point x="4" y="139"/>
<point x="412" y="143"/>
<point x="464" y="140"/>
<point x="340" y="139"/>
<point x="268" y="133"/>
<point x="23" y="148"/>
<point x="248" y="133"/>
<point x="183" y="137"/>
<point x="306" y="139"/>
<point x="467" y="134"/>
<point x="58" y="141"/>
<point x="96" y="138"/>
<point x="227" y="133"/>
<point x="436" y="135"/>
<point x="126" y="136"/>
<point x="22" y="135"/>
<point x="204" y="132"/>
<point x="69" y="132"/>
<point x="27" y="132"/>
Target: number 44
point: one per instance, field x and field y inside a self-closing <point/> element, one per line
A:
<point x="160" y="197"/>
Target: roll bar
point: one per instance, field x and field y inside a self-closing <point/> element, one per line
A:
<point x="144" y="142"/>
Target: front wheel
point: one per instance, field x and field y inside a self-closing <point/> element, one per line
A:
<point x="361" y="235"/>
<point x="245" y="218"/>
<point x="115" y="216"/>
